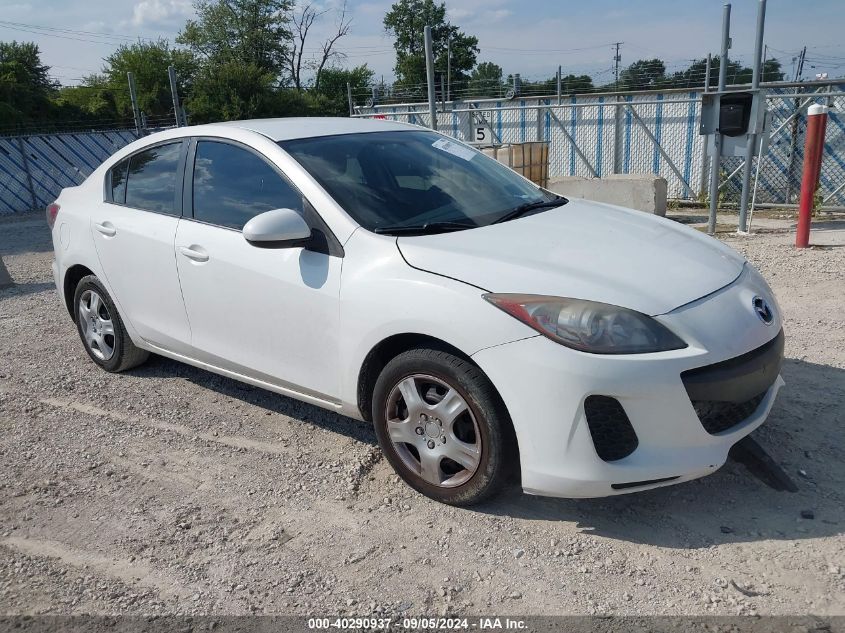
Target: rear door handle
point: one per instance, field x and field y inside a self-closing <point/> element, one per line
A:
<point x="194" y="253"/>
<point x="106" y="228"/>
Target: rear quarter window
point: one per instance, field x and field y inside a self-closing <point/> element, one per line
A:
<point x="151" y="183"/>
<point x="116" y="182"/>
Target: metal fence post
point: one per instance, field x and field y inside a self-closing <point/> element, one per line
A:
<point x="717" y="138"/>
<point x="618" y="137"/>
<point x="133" y="96"/>
<point x="429" y="73"/>
<point x="349" y="98"/>
<point x="705" y="164"/>
<point x="752" y="138"/>
<point x="177" y="110"/>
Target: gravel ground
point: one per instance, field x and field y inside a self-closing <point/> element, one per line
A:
<point x="168" y="489"/>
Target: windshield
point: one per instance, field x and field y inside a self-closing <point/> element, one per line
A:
<point x="387" y="180"/>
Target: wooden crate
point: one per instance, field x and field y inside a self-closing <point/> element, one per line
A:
<point x="529" y="159"/>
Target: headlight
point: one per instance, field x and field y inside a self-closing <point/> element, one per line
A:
<point x="588" y="326"/>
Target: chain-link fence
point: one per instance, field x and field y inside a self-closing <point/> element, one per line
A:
<point x="649" y="133"/>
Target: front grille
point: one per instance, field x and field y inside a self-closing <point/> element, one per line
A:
<point x="611" y="430"/>
<point x="717" y="417"/>
<point x="727" y="393"/>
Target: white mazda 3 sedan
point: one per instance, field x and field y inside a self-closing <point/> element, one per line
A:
<point x="491" y="331"/>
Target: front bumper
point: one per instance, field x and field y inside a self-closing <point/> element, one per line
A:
<point x="544" y="385"/>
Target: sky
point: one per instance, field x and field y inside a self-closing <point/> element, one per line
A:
<point x="530" y="37"/>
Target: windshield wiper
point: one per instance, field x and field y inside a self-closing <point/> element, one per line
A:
<point x="531" y="206"/>
<point x="421" y="229"/>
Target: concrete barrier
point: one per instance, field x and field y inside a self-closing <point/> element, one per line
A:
<point x="644" y="192"/>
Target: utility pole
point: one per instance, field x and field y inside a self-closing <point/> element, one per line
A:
<point x="429" y="72"/>
<point x="765" y="56"/>
<point x="717" y="137"/>
<point x="133" y="96"/>
<point x="800" y="64"/>
<point x="616" y="59"/>
<point x="751" y="145"/>
<point x="559" y="72"/>
<point x="449" y="67"/>
<point x="177" y="110"/>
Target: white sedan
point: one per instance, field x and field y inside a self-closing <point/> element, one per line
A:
<point x="491" y="330"/>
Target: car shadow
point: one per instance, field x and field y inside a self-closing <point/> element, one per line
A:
<point x="161" y="367"/>
<point x="803" y="434"/>
<point x="18" y="290"/>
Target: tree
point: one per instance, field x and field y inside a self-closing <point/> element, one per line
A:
<point x="93" y="100"/>
<point x="252" y="33"/>
<point x="573" y="84"/>
<point x="302" y="20"/>
<point x="643" y="74"/>
<point x="694" y="75"/>
<point x="486" y="78"/>
<point x="25" y="84"/>
<point x="405" y="22"/>
<point x="148" y="62"/>
<point x="328" y="51"/>
<point x="333" y="86"/>
<point x="230" y="91"/>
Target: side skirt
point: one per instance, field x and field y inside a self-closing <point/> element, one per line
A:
<point x="332" y="405"/>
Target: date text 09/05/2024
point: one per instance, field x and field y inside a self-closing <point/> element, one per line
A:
<point x="417" y="624"/>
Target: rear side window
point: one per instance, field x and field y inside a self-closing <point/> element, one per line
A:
<point x="117" y="181"/>
<point x="151" y="182"/>
<point x="232" y="185"/>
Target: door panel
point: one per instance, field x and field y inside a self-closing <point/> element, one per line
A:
<point x="270" y="313"/>
<point x="140" y="268"/>
<point x="135" y="243"/>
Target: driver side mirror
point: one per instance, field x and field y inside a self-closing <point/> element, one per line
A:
<point x="280" y="228"/>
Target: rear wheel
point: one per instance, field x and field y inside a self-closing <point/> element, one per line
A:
<point x="101" y="328"/>
<point x="442" y="426"/>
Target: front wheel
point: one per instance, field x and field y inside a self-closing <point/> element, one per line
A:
<point x="443" y="427"/>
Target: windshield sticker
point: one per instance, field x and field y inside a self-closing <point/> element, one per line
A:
<point x="456" y="149"/>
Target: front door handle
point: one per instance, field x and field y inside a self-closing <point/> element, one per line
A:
<point x="106" y="228"/>
<point x="197" y="253"/>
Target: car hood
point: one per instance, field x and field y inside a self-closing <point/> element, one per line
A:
<point x="584" y="250"/>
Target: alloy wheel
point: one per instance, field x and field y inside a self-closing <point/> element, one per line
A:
<point x="433" y="430"/>
<point x="96" y="325"/>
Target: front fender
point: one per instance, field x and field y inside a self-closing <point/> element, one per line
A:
<point x="382" y="296"/>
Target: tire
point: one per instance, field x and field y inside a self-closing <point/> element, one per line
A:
<point x="480" y="436"/>
<point x="101" y="328"/>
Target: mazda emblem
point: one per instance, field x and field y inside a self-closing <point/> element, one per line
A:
<point x="762" y="310"/>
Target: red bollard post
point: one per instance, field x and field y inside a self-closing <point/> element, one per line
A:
<point x="813" y="150"/>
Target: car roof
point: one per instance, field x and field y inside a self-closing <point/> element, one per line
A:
<point x="306" y="127"/>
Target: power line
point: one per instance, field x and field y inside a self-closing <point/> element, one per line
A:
<point x="71" y="31"/>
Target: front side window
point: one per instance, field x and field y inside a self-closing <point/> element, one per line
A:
<point x="151" y="183"/>
<point x="232" y="185"/>
<point x="408" y="178"/>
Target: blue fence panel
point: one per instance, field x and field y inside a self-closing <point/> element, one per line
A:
<point x="34" y="169"/>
